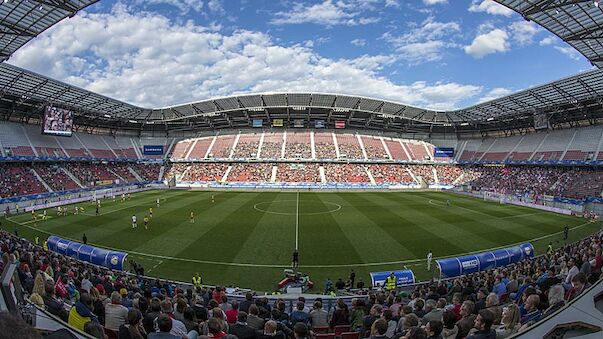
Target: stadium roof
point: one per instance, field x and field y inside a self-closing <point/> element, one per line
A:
<point x="576" y="21"/>
<point x="23" y="20"/>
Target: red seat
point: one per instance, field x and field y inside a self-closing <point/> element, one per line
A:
<point x="320" y="329"/>
<point x="324" y="336"/>
<point x="341" y="328"/>
<point x="350" y="335"/>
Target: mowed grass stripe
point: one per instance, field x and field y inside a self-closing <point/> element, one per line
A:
<point x="164" y="218"/>
<point x="272" y="240"/>
<point x="223" y="241"/>
<point x="436" y="220"/>
<point x="374" y="230"/>
<point x="169" y="234"/>
<point x="472" y="220"/>
<point x="416" y="233"/>
<point x="97" y="228"/>
<point x="323" y="237"/>
<point x="525" y="226"/>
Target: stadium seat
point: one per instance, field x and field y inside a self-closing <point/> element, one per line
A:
<point x="339" y="329"/>
<point x="321" y="329"/>
<point x="350" y="335"/>
<point x="324" y="336"/>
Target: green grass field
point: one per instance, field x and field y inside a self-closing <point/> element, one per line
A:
<point x="246" y="238"/>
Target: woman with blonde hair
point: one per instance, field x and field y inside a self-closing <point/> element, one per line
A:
<point x="509" y="322"/>
<point x="37" y="300"/>
<point x="38" y="286"/>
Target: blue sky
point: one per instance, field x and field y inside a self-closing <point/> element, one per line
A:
<point x="440" y="54"/>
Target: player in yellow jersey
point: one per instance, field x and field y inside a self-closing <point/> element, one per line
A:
<point x="34" y="216"/>
<point x="151" y="212"/>
<point x="192" y="217"/>
<point x="146" y="222"/>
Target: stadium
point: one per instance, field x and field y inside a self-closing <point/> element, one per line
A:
<point x="300" y="213"/>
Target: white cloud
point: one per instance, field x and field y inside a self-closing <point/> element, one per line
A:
<point x="570" y="52"/>
<point x="523" y="32"/>
<point x="549" y="40"/>
<point x="425" y="42"/>
<point x="490" y="7"/>
<point x="358" y="42"/>
<point x="148" y="60"/>
<point x="487" y="43"/>
<point x="327" y="13"/>
<point x="392" y="3"/>
<point x="495" y="93"/>
<point x="434" y="2"/>
<point x="184" y="6"/>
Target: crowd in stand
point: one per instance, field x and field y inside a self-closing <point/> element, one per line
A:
<point x="246" y="149"/>
<point x="557" y="181"/>
<point x="298" y="173"/>
<point x="325" y="150"/>
<point x="259" y="172"/>
<point x="16" y="180"/>
<point x="491" y="304"/>
<point x="345" y="173"/>
<point x="393" y="174"/>
<point x="298" y="151"/>
<point x="350" y="151"/>
<point x="204" y="172"/>
<point x="448" y="174"/>
<point x="148" y="172"/>
<point x="425" y="172"/>
<point x="377" y="153"/>
<point x="55" y="177"/>
<point x="271" y="150"/>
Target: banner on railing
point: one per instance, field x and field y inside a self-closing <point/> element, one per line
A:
<point x="98" y="256"/>
<point x="403" y="278"/>
<point x="457" y="266"/>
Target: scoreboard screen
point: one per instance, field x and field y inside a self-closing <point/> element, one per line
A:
<point x="57" y="121"/>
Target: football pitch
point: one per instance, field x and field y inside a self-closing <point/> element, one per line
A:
<point x="246" y="239"/>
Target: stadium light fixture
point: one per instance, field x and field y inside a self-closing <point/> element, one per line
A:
<point x="106" y="115"/>
<point x="490" y="119"/>
<point x="464" y="124"/>
<point x="133" y="121"/>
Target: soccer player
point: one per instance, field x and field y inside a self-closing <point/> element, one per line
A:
<point x="212" y="199"/>
<point x="295" y="259"/>
<point x="151" y="212"/>
<point x="134" y="221"/>
<point x="429" y="257"/>
<point x="448" y="202"/>
<point x="157" y="202"/>
<point x="34" y="216"/>
<point x="146" y="222"/>
<point x="123" y="197"/>
<point x="44" y="216"/>
<point x="77" y="210"/>
<point x="97" y="206"/>
<point x="129" y="196"/>
<point x="192" y="217"/>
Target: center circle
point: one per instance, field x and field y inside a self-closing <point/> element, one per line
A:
<point x="289" y="207"/>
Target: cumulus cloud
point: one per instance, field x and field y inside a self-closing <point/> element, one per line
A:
<point x="425" y="42"/>
<point x="148" y="60"/>
<point x="490" y="7"/>
<point x="184" y="6"/>
<point x="327" y="13"/>
<point x="434" y="2"/>
<point x="570" y="52"/>
<point x="523" y="32"/>
<point x="494" y="41"/>
<point x="495" y="93"/>
<point x="358" y="42"/>
<point x="549" y="40"/>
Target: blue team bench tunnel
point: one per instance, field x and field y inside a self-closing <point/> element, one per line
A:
<point x="457" y="266"/>
<point x="94" y="255"/>
<point x="403" y="278"/>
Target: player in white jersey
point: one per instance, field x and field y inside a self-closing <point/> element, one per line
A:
<point x="157" y="202"/>
<point x="134" y="225"/>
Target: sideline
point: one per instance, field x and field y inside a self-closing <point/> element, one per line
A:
<point x="221" y="263"/>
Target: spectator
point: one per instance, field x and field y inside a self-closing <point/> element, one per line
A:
<point x="318" y="316"/>
<point x="483" y="324"/>
<point x="133" y="328"/>
<point x="509" y="323"/>
<point x="163" y="323"/>
<point x="241" y="329"/>
<point x="81" y="312"/>
<point x="115" y="313"/>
